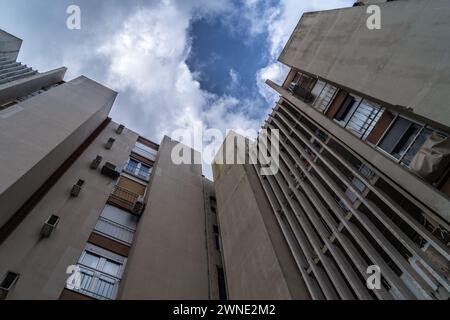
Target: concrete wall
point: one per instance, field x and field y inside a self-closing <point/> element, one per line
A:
<point x="257" y="260"/>
<point x="42" y="132"/>
<point x="42" y="263"/>
<point x="214" y="255"/>
<point x="405" y="63"/>
<point x="21" y="87"/>
<point x="168" y="259"/>
<point x="9" y="45"/>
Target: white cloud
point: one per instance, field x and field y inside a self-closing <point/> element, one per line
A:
<point x="281" y="21"/>
<point x="234" y="76"/>
<point x="146" y="60"/>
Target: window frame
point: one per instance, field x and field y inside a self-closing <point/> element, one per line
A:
<point x="137" y="169"/>
<point x="423" y="127"/>
<point x="97" y="274"/>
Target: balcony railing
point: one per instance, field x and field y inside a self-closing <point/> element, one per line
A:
<point x="145" y="153"/>
<point x="97" y="284"/>
<point x="114" y="230"/>
<point x="137" y="171"/>
<point x="124" y="197"/>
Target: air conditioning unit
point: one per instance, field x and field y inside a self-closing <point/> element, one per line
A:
<point x="119" y="129"/>
<point x="76" y="188"/>
<point x="49" y="225"/>
<point x="139" y="206"/>
<point x="109" y="170"/>
<point x="109" y="144"/>
<point x="7" y="283"/>
<point x="96" y="162"/>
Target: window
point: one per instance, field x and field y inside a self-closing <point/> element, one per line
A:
<point x="9" y="280"/>
<point x="415" y="147"/>
<point x="101" y="271"/>
<point x="145" y="151"/>
<point x="359" y="116"/>
<point x="347" y="109"/>
<point x="216" y="237"/>
<point x="116" y="224"/>
<point x="325" y="97"/>
<point x="221" y="284"/>
<point x="399" y="137"/>
<point x="138" y="169"/>
<point x="7" y="105"/>
<point x="132" y="166"/>
<point x="217" y="241"/>
<point x="304" y="81"/>
<point x="317" y="89"/>
<point x="144" y="171"/>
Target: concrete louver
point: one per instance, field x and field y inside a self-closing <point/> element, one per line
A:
<point x="11" y="70"/>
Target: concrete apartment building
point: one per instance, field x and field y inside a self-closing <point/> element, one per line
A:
<point x="364" y="176"/>
<point x="77" y="189"/>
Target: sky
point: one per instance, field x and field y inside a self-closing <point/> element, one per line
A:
<point x="177" y="64"/>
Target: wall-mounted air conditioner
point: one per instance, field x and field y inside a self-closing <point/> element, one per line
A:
<point x="7" y="283"/>
<point x="109" y="144"/>
<point x="119" y="129"/>
<point x="139" y="206"/>
<point x="49" y="225"/>
<point x="76" y="188"/>
<point x="96" y="162"/>
<point x="109" y="170"/>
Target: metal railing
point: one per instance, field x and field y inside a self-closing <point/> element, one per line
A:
<point x="137" y="171"/>
<point x="145" y="153"/>
<point x="115" y="230"/>
<point x="96" y="284"/>
<point x="124" y="196"/>
<point x="376" y="230"/>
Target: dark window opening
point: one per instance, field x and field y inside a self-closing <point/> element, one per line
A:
<point x="9" y="280"/>
<point x="217" y="242"/>
<point x="221" y="283"/>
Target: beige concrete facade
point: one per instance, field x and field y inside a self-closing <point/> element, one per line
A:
<point x="118" y="197"/>
<point x="256" y="257"/>
<point x="404" y="64"/>
<point x="41" y="133"/>
<point x="169" y="257"/>
<point x="340" y="201"/>
<point x="42" y="262"/>
<point x="9" y="45"/>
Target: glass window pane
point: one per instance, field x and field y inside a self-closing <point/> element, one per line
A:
<point x="394" y="135"/>
<point x="144" y="171"/>
<point x="325" y="97"/>
<point x="111" y="267"/>
<point x="119" y="216"/>
<point x="347" y="110"/>
<point x="90" y="260"/>
<point x="405" y="141"/>
<point x="363" y="118"/>
<point x="131" y="165"/>
<point x="318" y="88"/>
<point x="423" y="136"/>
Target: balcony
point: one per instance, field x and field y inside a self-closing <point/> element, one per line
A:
<point x="124" y="198"/>
<point x="137" y="169"/>
<point x="301" y="92"/>
<point x="145" y="151"/>
<point x="98" y="285"/>
<point x="114" y="230"/>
